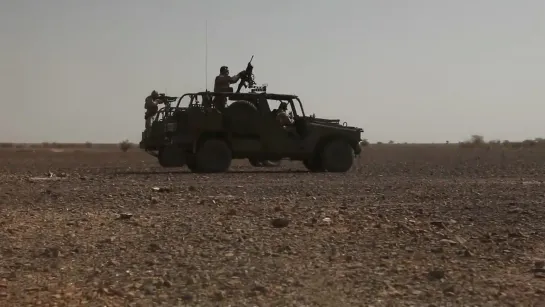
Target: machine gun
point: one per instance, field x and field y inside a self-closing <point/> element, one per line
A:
<point x="247" y="78"/>
<point x="166" y="99"/>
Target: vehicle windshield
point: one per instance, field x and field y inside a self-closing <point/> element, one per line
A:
<point x="298" y="107"/>
<point x="185" y="101"/>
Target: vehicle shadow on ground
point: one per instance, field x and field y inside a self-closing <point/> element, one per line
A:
<point x="187" y="172"/>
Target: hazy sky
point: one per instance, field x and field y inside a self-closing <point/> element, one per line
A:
<point x="418" y="70"/>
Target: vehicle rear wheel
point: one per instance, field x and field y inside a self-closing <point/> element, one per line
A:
<point x="191" y="163"/>
<point x="313" y="165"/>
<point x="214" y="156"/>
<point x="337" y="156"/>
<point x="171" y="156"/>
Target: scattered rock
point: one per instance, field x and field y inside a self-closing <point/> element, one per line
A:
<point x="148" y="289"/>
<point x="448" y="242"/>
<point x="51" y="252"/>
<point x="124" y="216"/>
<point x="280" y="222"/>
<point x="438" y="224"/>
<point x="437" y="250"/>
<point x="436" y="274"/>
<point x="187" y="297"/>
<point x="153" y="247"/>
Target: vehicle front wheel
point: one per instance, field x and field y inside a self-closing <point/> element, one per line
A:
<point x="214" y="156"/>
<point x="337" y="156"/>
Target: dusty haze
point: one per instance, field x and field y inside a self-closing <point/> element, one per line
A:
<point x="408" y="71"/>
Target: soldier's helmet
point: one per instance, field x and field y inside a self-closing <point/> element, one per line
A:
<point x="154" y="94"/>
<point x="283" y="106"/>
<point x="224" y="70"/>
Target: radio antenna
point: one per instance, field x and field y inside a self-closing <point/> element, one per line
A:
<point x="206" y="56"/>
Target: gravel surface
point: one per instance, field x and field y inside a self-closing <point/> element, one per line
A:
<point x="408" y="226"/>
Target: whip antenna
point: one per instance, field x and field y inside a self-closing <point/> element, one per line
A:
<point x="206" y="56"/>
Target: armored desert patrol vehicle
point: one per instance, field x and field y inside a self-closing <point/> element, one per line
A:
<point x="206" y="139"/>
<point x="214" y="128"/>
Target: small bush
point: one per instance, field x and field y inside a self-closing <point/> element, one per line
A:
<point x="475" y="141"/>
<point x="125" y="145"/>
<point x="88" y="145"/>
<point x="495" y="142"/>
<point x="529" y="143"/>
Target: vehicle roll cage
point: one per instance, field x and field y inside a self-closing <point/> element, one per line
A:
<point x="194" y="101"/>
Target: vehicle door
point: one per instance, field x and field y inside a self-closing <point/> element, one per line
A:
<point x="275" y="137"/>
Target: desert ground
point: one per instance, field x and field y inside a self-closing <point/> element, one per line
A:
<point x="409" y="225"/>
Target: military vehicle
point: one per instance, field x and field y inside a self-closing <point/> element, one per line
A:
<point x="208" y="132"/>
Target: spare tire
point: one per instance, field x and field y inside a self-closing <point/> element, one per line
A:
<point x="242" y="117"/>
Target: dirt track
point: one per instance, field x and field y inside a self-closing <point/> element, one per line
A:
<point x="409" y="226"/>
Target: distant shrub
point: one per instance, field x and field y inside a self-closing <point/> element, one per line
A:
<point x="529" y="143"/>
<point x="475" y="141"/>
<point x="495" y="142"/>
<point x="125" y="145"/>
<point x="88" y="145"/>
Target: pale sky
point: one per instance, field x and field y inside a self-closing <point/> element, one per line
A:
<point x="408" y="71"/>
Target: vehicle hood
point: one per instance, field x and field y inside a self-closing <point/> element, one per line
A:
<point x="333" y="123"/>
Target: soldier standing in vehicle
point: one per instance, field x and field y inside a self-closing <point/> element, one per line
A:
<point x="151" y="107"/>
<point x="222" y="83"/>
<point x="282" y="115"/>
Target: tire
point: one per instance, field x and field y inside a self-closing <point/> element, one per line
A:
<point x="214" y="156"/>
<point x="313" y="165"/>
<point x="241" y="117"/>
<point x="191" y="163"/>
<point x="337" y="156"/>
<point x="171" y="156"/>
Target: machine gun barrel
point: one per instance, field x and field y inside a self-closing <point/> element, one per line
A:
<point x="165" y="99"/>
<point x="247" y="78"/>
